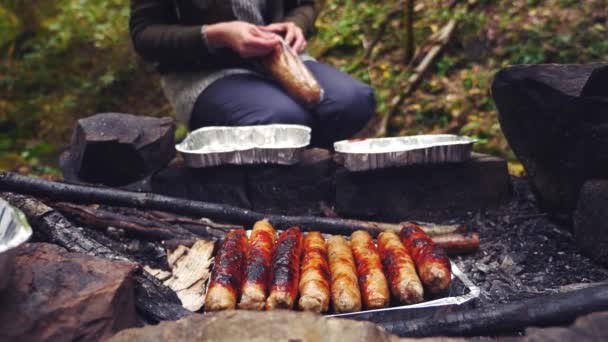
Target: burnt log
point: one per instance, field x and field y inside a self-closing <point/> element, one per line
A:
<point x="139" y="227"/>
<point x="493" y="320"/>
<point x="10" y="181"/>
<point x="555" y="119"/>
<point x="153" y="300"/>
<point x="293" y="190"/>
<point x="591" y="220"/>
<point x="117" y="149"/>
<point x="55" y="295"/>
<point x="222" y="184"/>
<point x="423" y="192"/>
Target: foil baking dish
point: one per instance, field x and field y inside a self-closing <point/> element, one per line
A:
<point x="369" y="154"/>
<point x="462" y="294"/>
<point x="14" y="231"/>
<point x="266" y="144"/>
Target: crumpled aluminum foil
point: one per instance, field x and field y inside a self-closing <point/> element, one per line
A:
<point x="462" y="295"/>
<point x="369" y="154"/>
<point x="14" y="231"/>
<point x="264" y="144"/>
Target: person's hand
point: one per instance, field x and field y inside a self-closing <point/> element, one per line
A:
<point x="246" y="39"/>
<point x="292" y="34"/>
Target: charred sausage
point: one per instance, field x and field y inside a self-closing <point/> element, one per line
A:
<point x="345" y="294"/>
<point x="372" y="282"/>
<point x="225" y="284"/>
<point x="455" y="243"/>
<point x="314" y="275"/>
<point x="257" y="266"/>
<point x="431" y="261"/>
<point x="285" y="274"/>
<point x="400" y="269"/>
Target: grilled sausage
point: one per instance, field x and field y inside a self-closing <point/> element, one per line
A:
<point x="289" y="71"/>
<point x="225" y="283"/>
<point x="374" y="288"/>
<point x="345" y="293"/>
<point x="257" y="266"/>
<point x="455" y="243"/>
<point x="314" y="275"/>
<point x="400" y="269"/>
<point x="431" y="261"/>
<point x="285" y="274"/>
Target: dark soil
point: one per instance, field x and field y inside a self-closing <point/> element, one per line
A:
<point x="523" y="254"/>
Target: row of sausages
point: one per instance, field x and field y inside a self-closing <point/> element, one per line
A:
<point x="260" y="273"/>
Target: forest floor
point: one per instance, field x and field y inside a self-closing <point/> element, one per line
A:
<point x="63" y="60"/>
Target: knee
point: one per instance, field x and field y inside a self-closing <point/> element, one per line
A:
<point x="357" y="103"/>
<point x="286" y="113"/>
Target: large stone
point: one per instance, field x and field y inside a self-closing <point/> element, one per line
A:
<point x="222" y="184"/>
<point x="118" y="149"/>
<point x="591" y="220"/>
<point x="55" y="295"/>
<point x="555" y="118"/>
<point x="423" y="192"/>
<point x="280" y="325"/>
<point x="293" y="190"/>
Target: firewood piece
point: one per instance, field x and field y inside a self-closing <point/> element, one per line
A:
<point x="190" y="271"/>
<point x="118" y="149"/>
<point x="153" y="300"/>
<point x="495" y="320"/>
<point x="139" y="227"/>
<point x="10" y="181"/>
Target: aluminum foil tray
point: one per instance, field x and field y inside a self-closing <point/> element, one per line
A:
<point x="14" y="231"/>
<point x="369" y="154"/>
<point x="267" y="144"/>
<point x="462" y="295"/>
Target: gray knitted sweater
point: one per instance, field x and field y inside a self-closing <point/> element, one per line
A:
<point x="183" y="88"/>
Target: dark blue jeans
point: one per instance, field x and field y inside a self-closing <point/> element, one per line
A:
<point x="240" y="100"/>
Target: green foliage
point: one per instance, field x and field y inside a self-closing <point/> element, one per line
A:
<point x="61" y="60"/>
<point x="455" y="97"/>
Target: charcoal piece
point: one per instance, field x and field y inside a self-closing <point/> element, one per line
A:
<point x="555" y="118"/>
<point x="591" y="220"/>
<point x="293" y="190"/>
<point x="117" y="149"/>
<point x="423" y="192"/>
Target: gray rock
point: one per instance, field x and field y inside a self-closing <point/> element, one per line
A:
<point x="555" y="118"/>
<point x="56" y="295"/>
<point x="276" y="326"/>
<point x="591" y="220"/>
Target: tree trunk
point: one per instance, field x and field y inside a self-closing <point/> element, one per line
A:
<point x="409" y="44"/>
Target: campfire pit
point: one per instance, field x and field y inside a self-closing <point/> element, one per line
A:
<point x="523" y="254"/>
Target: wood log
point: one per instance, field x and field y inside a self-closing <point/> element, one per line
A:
<point x="493" y="320"/>
<point x="140" y="227"/>
<point x="154" y="301"/>
<point x="57" y="191"/>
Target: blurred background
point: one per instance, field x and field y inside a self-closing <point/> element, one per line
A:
<point x="62" y="60"/>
